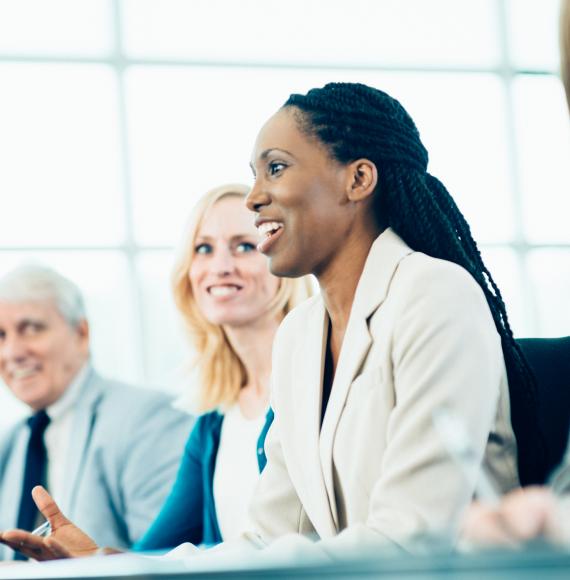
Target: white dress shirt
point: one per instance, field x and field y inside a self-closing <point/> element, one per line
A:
<point x="237" y="471"/>
<point x="59" y="433"/>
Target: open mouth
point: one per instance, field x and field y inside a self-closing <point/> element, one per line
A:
<point x="269" y="232"/>
<point x="223" y="290"/>
<point x="267" y="229"/>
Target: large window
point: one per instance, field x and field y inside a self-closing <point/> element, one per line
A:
<point x="116" y="115"/>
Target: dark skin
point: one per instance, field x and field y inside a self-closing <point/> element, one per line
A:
<point x="325" y="208"/>
<point x="66" y="539"/>
<point x="328" y="229"/>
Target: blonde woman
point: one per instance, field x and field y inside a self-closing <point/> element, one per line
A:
<point x="231" y="305"/>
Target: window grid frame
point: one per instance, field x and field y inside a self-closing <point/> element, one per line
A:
<point x="119" y="62"/>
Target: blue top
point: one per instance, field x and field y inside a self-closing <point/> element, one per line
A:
<point x="189" y="512"/>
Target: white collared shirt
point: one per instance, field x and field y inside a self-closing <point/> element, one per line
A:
<point x="58" y="433"/>
<point x="237" y="471"/>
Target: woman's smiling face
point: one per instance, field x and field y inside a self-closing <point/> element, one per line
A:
<point x="299" y="198"/>
<point x="230" y="279"/>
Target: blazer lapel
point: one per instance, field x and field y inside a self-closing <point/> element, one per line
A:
<point x="355" y="347"/>
<point x="307" y="387"/>
<point x="385" y="254"/>
<point x="83" y="426"/>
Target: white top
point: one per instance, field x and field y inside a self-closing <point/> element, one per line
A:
<point x="237" y="471"/>
<point x="59" y="433"/>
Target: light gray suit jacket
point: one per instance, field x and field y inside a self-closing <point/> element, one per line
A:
<point x="420" y="337"/>
<point x="126" y="446"/>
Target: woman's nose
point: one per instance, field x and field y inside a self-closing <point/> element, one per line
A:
<point x="223" y="262"/>
<point x="257" y="198"/>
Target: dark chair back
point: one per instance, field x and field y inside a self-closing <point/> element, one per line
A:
<point x="549" y="359"/>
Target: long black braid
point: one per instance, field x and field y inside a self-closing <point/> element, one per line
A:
<point x="356" y="121"/>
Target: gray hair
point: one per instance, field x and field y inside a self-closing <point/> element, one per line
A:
<point x="36" y="283"/>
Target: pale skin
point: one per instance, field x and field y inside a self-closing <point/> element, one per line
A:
<point x="226" y="232"/>
<point x="35" y="337"/>
<point x="225" y="235"/>
<point x="348" y="190"/>
<point x="254" y="396"/>
<point x="523" y="515"/>
<point x="40" y="351"/>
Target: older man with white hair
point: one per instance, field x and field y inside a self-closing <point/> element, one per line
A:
<point x="108" y="452"/>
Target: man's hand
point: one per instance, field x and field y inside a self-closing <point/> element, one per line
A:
<point x="65" y="541"/>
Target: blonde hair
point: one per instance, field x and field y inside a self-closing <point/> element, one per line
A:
<point x="565" y="47"/>
<point x="222" y="373"/>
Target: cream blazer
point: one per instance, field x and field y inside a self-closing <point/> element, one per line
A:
<point x="420" y="337"/>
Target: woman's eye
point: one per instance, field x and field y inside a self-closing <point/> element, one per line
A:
<point x="203" y="249"/>
<point x="276" y="167"/>
<point x="245" y="247"/>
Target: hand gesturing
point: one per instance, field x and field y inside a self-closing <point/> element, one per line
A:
<point x="65" y="541"/>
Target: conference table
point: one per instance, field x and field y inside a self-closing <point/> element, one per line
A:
<point x="536" y="563"/>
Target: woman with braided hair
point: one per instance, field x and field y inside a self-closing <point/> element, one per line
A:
<point x="408" y="322"/>
<point x="355" y="121"/>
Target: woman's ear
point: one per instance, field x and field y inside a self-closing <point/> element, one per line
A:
<point x="363" y="180"/>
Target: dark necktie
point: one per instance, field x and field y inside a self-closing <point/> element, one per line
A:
<point x="34" y="472"/>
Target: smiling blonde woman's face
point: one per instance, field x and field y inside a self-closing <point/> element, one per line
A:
<point x="230" y="279"/>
